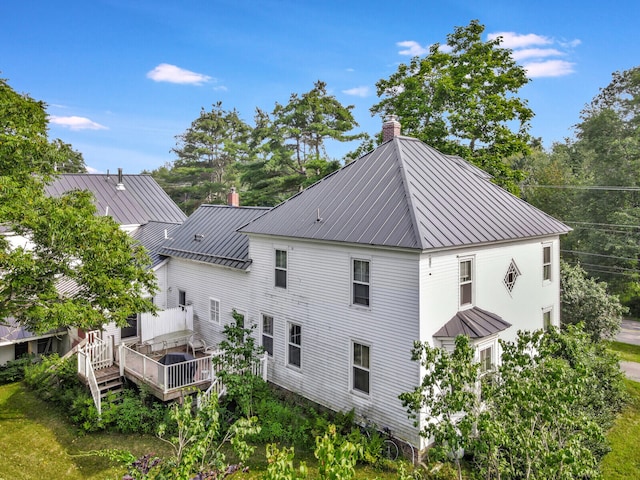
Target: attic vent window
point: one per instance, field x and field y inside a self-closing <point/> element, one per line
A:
<point x="511" y="276"/>
<point x="198" y="237"/>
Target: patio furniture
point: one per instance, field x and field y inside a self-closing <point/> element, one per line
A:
<point x="197" y="344"/>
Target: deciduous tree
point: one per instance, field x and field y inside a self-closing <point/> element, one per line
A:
<point x="77" y="268"/>
<point x="461" y="98"/>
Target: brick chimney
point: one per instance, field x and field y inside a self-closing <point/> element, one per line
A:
<point x="390" y="128"/>
<point x="233" y="198"/>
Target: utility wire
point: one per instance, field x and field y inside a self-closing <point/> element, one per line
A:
<point x="599" y="255"/>
<point x="613" y="188"/>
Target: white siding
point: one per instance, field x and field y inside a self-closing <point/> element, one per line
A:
<point x="318" y="297"/>
<point x="522" y="307"/>
<point x="200" y="282"/>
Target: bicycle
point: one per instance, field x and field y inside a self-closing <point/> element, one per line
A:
<point x="389" y="449"/>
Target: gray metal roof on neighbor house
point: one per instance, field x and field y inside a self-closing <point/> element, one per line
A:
<point x="140" y="201"/>
<point x="407" y="194"/>
<point x="152" y="235"/>
<point x="209" y="235"/>
<point x="474" y="323"/>
<point x="12" y="332"/>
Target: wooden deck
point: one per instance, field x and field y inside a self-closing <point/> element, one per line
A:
<point x="167" y="382"/>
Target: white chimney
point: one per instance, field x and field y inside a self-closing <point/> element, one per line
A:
<point x="390" y="128"/>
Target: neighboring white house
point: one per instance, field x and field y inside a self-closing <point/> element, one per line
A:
<point x="403" y="244"/>
<point x="142" y="209"/>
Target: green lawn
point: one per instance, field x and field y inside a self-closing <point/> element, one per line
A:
<point x="629" y="353"/>
<point x="37" y="442"/>
<point x="623" y="462"/>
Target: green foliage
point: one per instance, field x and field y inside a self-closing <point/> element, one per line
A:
<point x="547" y="406"/>
<point x="336" y="457"/>
<point x="283" y="423"/>
<point x="13" y="370"/>
<point x="197" y="440"/>
<point x="240" y="353"/>
<point x="68" y="240"/>
<point x="280" y="464"/>
<point x="447" y="393"/>
<point x="585" y="300"/>
<point x="462" y="100"/>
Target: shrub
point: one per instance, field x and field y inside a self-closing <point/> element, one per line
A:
<point x="13" y="370"/>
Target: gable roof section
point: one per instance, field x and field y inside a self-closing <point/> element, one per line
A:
<point x="141" y="201"/>
<point x="474" y="323"/>
<point x="409" y="195"/>
<point x="209" y="235"/>
<point x="152" y="235"/>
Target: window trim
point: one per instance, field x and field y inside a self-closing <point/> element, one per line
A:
<point x="547" y="273"/>
<point x="355" y="282"/>
<point x="471" y="281"/>
<point x="182" y="295"/>
<point x="268" y="335"/>
<point x="515" y="271"/>
<point x="217" y="321"/>
<point x="290" y="344"/>
<point x="354" y="366"/>
<point x="284" y="269"/>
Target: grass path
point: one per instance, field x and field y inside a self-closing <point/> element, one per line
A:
<point x="623" y="462"/>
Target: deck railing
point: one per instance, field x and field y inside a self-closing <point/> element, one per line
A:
<point x="98" y="351"/>
<point x="85" y="368"/>
<point x="165" y="377"/>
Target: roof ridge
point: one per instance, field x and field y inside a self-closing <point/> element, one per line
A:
<point x="409" y="196"/>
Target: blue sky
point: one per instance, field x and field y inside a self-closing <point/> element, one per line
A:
<point x="122" y="78"/>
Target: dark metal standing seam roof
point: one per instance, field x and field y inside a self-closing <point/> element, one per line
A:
<point x="407" y="194"/>
<point x="209" y="235"/>
<point x="152" y="235"/>
<point x="141" y="201"/>
<point x="474" y="323"/>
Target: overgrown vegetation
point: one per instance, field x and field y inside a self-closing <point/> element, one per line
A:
<point x="13" y="370"/>
<point x="545" y="408"/>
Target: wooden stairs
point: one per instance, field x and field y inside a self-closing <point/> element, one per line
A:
<point x="109" y="380"/>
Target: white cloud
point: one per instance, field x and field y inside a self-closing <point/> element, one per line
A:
<point x="570" y="44"/>
<point x="413" y="48"/>
<point x="220" y="88"/>
<point x="76" y="123"/>
<point x="173" y="74"/>
<point x="357" y="91"/>
<point x="549" y="68"/>
<point x="517" y="40"/>
<point x="536" y="53"/>
<point x="350" y="70"/>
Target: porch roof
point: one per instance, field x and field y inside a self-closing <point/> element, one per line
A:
<point x="474" y="323"/>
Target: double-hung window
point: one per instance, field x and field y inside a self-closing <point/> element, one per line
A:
<point x="486" y="360"/>
<point x="360" y="368"/>
<point x="214" y="311"/>
<point x="281" y="269"/>
<point x="361" y="282"/>
<point x="546" y="263"/>
<point x="294" y="356"/>
<point x="466" y="282"/>
<point x="546" y="318"/>
<point x="267" y="334"/>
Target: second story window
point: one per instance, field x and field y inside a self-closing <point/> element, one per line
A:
<point x="466" y="282"/>
<point x="546" y="263"/>
<point x="281" y="269"/>
<point x="361" y="282"/>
